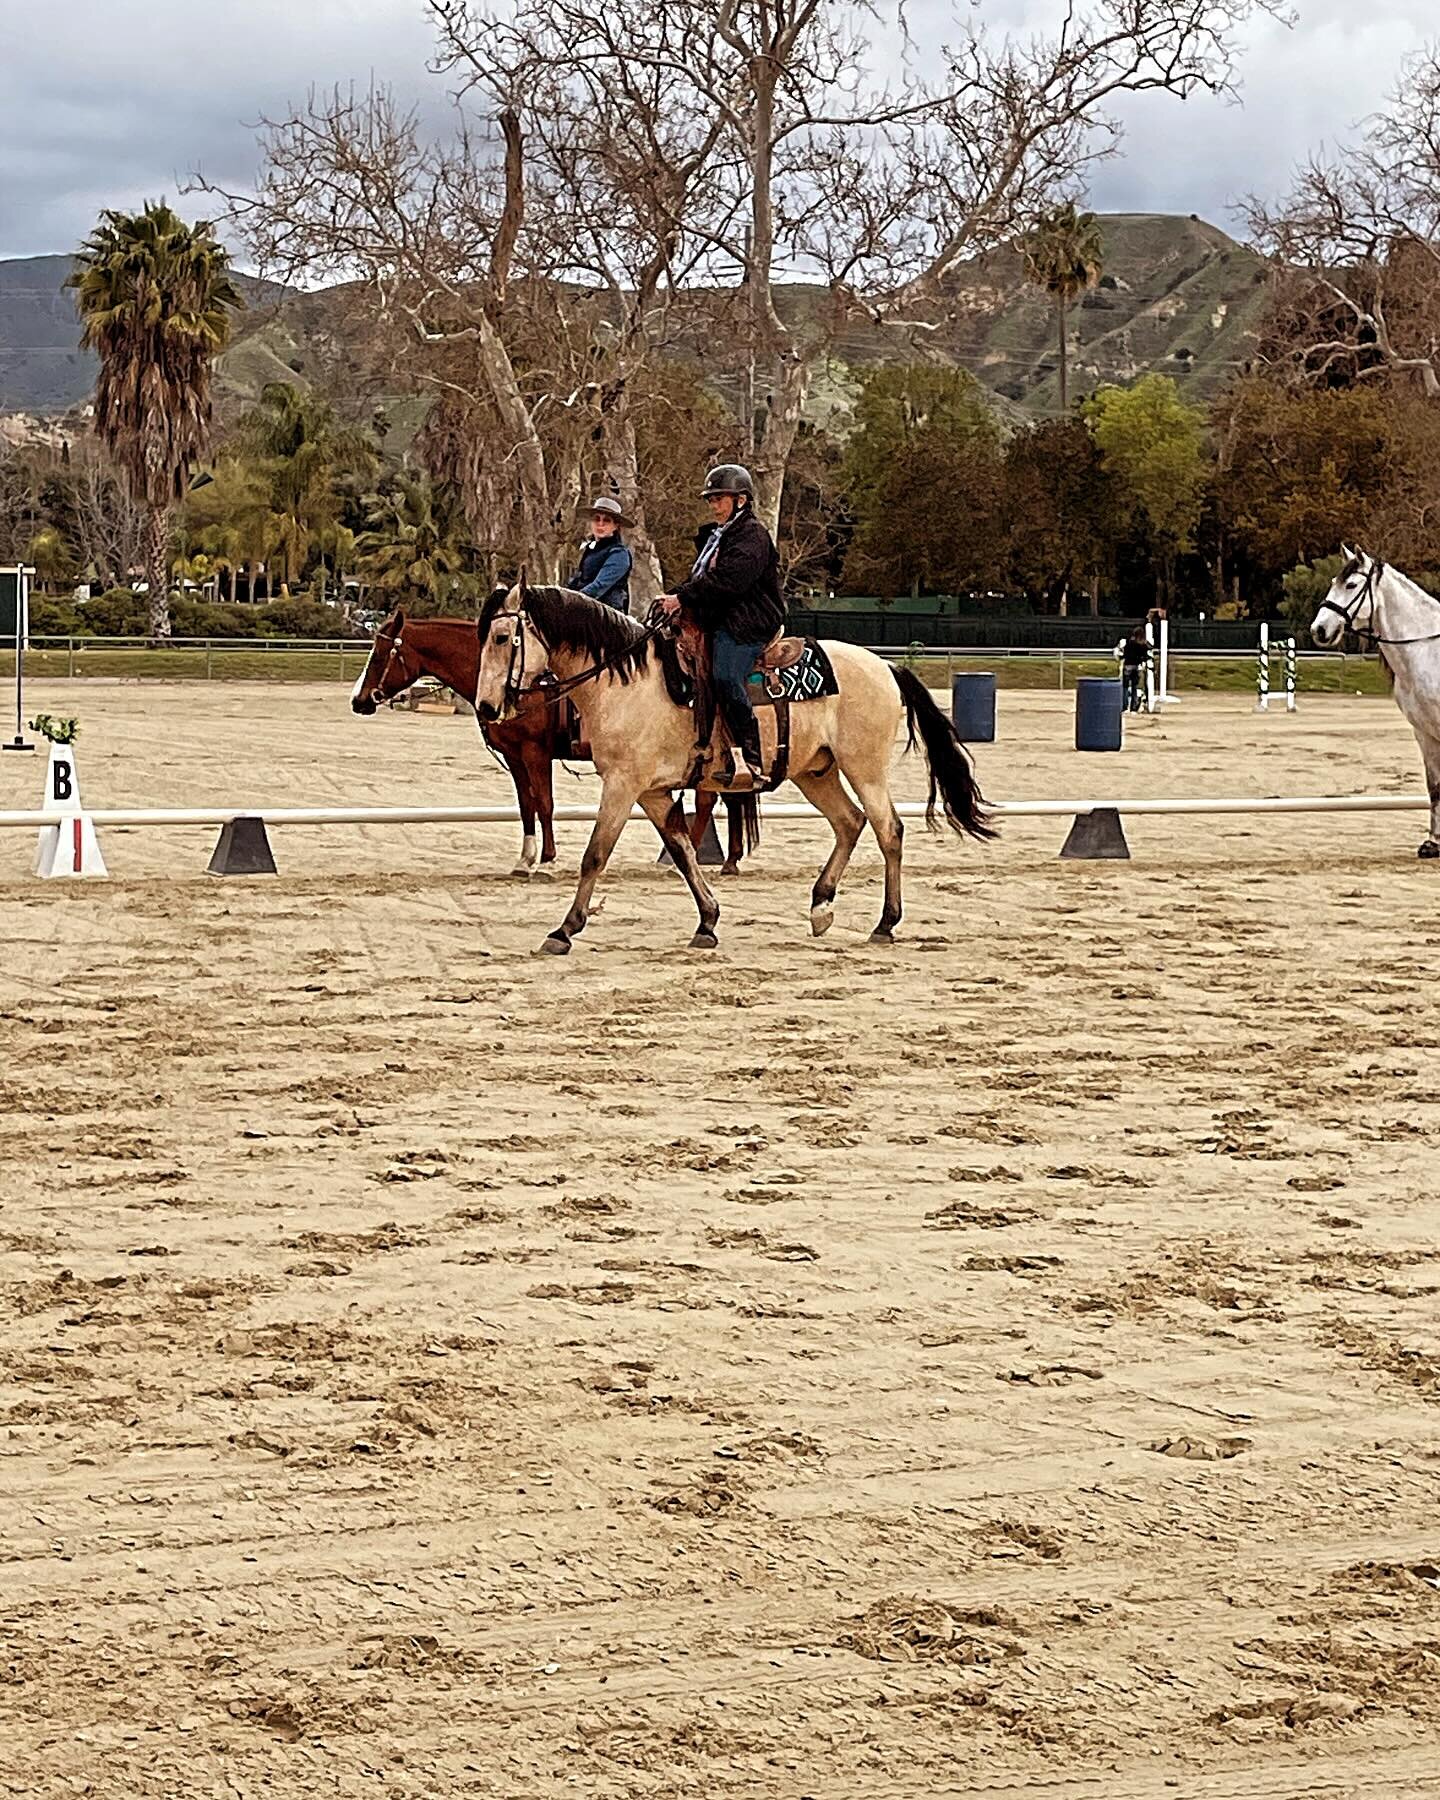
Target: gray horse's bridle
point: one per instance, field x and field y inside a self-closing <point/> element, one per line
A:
<point x="1351" y="612"/>
<point x="1368" y="592"/>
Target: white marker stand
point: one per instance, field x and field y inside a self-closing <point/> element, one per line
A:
<point x="69" y="847"/>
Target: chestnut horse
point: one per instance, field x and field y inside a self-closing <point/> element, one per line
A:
<point x="529" y="742"/>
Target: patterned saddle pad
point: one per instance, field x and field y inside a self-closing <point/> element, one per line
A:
<point x="812" y="678"/>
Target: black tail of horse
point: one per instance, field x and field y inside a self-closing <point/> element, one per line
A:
<point x="952" y="779"/>
<point x="748" y="808"/>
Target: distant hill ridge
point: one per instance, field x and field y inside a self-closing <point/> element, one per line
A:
<point x="1178" y="296"/>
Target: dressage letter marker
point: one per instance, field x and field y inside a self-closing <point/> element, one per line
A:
<point x="69" y="847"/>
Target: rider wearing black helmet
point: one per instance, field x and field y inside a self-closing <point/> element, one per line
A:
<point x="733" y="592"/>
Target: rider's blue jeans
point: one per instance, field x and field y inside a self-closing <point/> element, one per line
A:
<point x="731" y="663"/>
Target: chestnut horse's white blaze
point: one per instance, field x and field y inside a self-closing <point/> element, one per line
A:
<point x="644" y="743"/>
<point x="1403" y="622"/>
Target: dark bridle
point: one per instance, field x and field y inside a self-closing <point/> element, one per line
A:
<point x="395" y="643"/>
<point x="547" y="689"/>
<point x="1367" y="591"/>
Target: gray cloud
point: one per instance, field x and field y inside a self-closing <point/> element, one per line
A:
<point x="110" y="102"/>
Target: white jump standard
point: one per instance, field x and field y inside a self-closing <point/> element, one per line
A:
<point x="1262" y="671"/>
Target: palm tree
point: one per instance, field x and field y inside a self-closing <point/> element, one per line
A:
<point x="304" y="449"/>
<point x="1064" y="254"/>
<point x="409" y="547"/>
<point x="231" y="521"/>
<point x="155" y="301"/>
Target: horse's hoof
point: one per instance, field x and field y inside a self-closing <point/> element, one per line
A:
<point x="729" y="869"/>
<point x="704" y="940"/>
<point x="544" y="873"/>
<point x="1429" y="850"/>
<point x="882" y="937"/>
<point x="554" y="945"/>
<point x="522" y="872"/>
<point x="821" y="919"/>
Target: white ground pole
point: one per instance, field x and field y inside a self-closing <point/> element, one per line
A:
<point x="121" y="817"/>
<point x="1262" y="671"/>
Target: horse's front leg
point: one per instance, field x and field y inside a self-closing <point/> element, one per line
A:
<point x="1430" y="750"/>
<point x="615" y="804"/>
<point x="524" y="799"/>
<point x="668" y="817"/>
<point x="541" y="770"/>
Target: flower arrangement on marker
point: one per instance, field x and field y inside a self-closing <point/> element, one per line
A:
<point x="59" y="731"/>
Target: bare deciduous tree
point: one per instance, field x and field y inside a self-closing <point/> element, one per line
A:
<point x="1356" y="248"/>
<point x="881" y="190"/>
<point x="107" y="525"/>
<point x="646" y="182"/>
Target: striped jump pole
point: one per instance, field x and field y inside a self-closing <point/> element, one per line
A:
<point x="1262" y="671"/>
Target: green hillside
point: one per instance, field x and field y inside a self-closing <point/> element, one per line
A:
<point x="1178" y="296"/>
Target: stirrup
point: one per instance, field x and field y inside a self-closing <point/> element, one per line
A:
<point x="734" y="782"/>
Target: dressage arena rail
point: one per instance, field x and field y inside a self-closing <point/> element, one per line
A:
<point x="509" y="815"/>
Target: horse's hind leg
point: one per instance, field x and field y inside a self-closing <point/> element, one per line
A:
<point x="874" y="796"/>
<point x="826" y="793"/>
<point x="668" y="817"/>
<point x="734" y="836"/>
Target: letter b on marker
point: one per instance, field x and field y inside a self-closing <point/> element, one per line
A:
<point x="63" y="785"/>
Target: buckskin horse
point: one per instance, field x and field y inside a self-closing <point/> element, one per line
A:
<point x="622" y="677"/>
<point x="529" y="743"/>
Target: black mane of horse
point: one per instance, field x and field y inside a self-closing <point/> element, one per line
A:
<point x="585" y="627"/>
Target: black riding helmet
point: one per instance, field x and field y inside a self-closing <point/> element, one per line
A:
<point x="728" y="478"/>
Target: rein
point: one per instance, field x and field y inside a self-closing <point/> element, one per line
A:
<point x="551" y="691"/>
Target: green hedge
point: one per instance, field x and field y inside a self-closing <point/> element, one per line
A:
<point x="123" y="613"/>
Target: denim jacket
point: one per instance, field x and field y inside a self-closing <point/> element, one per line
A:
<point x="604" y="572"/>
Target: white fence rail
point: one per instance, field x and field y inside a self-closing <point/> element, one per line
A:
<point x="509" y="815"/>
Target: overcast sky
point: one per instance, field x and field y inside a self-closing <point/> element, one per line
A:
<point x="110" y="102"/>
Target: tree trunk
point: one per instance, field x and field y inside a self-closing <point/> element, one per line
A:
<point x="157" y="570"/>
<point x="1064" y="361"/>
<point x="541" y="527"/>
<point x="777" y="440"/>
<point x="622" y="461"/>
<point x="1094" y="596"/>
<point x="792" y="376"/>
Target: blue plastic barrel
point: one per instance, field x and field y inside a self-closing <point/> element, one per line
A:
<point x="972" y="707"/>
<point x="1097" y="713"/>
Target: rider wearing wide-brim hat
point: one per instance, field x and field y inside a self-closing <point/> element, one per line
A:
<point x="604" y="571"/>
<point x="734" y="593"/>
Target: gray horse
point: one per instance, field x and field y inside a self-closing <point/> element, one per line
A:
<point x="1388" y="610"/>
